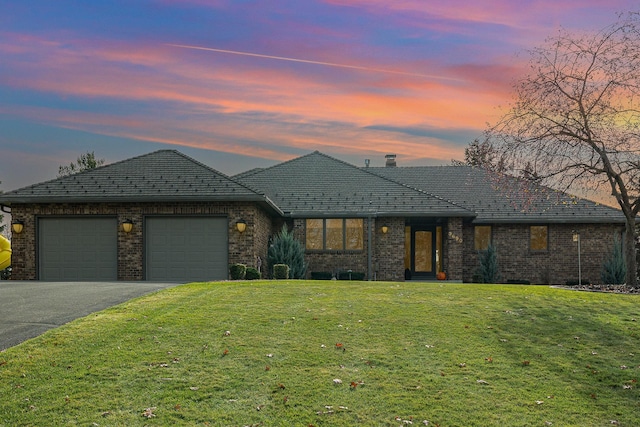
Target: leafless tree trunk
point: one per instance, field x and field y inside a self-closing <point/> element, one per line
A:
<point x="575" y="121"/>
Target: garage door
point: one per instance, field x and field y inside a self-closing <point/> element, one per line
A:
<point x="186" y="249"/>
<point x="77" y="249"/>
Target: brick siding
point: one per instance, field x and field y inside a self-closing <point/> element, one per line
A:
<point x="243" y="248"/>
<point x="557" y="265"/>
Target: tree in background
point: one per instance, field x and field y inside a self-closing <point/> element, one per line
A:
<point x="484" y="155"/>
<point x="84" y="162"/>
<point x="575" y="121"/>
<point x="286" y="249"/>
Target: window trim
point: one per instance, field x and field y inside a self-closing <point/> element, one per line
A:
<point x="344" y="235"/>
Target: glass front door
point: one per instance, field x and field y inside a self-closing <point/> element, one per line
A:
<point x="423" y="250"/>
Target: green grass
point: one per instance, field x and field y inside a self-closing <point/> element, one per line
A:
<point x="451" y="354"/>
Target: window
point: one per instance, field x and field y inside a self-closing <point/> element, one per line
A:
<point x="538" y="237"/>
<point x="314" y="234"/>
<point x="335" y="234"/>
<point x="482" y="237"/>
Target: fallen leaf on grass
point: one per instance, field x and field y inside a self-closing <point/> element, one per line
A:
<point x="483" y="382"/>
<point x="148" y="413"/>
<point x="337" y="381"/>
<point x="227" y="333"/>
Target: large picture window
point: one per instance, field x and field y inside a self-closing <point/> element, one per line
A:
<point x="539" y="237"/>
<point x="482" y="237"/>
<point x="335" y="234"/>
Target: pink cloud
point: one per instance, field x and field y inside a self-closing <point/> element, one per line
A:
<point x="286" y="107"/>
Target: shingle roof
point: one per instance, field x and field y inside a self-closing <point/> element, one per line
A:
<point x="500" y="198"/>
<point x="164" y="175"/>
<point x="319" y="185"/>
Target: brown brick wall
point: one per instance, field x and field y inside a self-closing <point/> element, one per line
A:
<point x="388" y="259"/>
<point x="460" y="260"/>
<point x="387" y="256"/>
<point x="453" y="248"/>
<point x="557" y="265"/>
<point x="243" y="248"/>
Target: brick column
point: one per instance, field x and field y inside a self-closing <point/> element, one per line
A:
<point x="453" y="249"/>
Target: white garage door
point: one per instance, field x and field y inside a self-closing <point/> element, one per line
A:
<point x="78" y="249"/>
<point x="186" y="249"/>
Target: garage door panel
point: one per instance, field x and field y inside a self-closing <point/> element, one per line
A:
<point x="186" y="248"/>
<point x="77" y="249"/>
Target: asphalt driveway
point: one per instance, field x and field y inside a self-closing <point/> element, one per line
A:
<point x="29" y="308"/>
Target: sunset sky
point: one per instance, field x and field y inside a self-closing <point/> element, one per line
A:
<point x="242" y="84"/>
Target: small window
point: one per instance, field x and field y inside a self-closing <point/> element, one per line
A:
<point x="482" y="237"/>
<point x="335" y="234"/>
<point x="538" y="237"/>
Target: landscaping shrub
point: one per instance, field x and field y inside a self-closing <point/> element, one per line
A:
<point x="287" y="250"/>
<point x="321" y="275"/>
<point x="614" y="270"/>
<point x="281" y="271"/>
<point x="354" y="275"/>
<point x="488" y="269"/>
<point x="252" y="274"/>
<point x="237" y="271"/>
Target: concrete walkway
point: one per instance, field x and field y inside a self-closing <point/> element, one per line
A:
<point x="29" y="308"/>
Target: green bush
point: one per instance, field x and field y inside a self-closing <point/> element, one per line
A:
<point x="287" y="250"/>
<point x="252" y="274"/>
<point x="321" y="275"/>
<point x="280" y="271"/>
<point x="488" y="269"/>
<point x="614" y="270"/>
<point x="354" y="275"/>
<point x="237" y="271"/>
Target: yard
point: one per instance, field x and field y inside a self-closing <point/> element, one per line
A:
<point x="326" y="353"/>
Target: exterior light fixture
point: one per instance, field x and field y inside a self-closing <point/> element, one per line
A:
<point x="17" y="226"/>
<point x="384" y="229"/>
<point x="241" y="225"/>
<point x="127" y="226"/>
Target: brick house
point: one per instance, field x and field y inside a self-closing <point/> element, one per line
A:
<point x="166" y="217"/>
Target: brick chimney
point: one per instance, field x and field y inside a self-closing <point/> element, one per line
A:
<point x="391" y="160"/>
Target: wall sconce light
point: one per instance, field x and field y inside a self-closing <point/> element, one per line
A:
<point x="384" y="229"/>
<point x="241" y="225"/>
<point x="17" y="226"/>
<point x="127" y="226"/>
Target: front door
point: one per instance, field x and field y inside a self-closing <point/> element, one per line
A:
<point x="423" y="250"/>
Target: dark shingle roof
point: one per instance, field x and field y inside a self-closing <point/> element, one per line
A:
<point x="500" y="198"/>
<point x="319" y="185"/>
<point x="165" y="175"/>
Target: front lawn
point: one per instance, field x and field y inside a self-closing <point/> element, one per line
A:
<point x="327" y="353"/>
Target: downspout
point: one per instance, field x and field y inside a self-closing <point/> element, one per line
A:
<point x="370" y="250"/>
